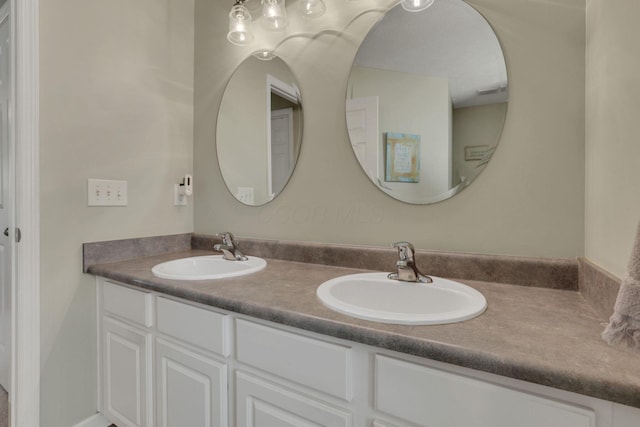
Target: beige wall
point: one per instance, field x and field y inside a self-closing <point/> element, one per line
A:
<point x="528" y="201"/>
<point x="414" y="104"/>
<point x="472" y="126"/>
<point x="116" y="102"/>
<point x="613" y="132"/>
<point x="245" y="159"/>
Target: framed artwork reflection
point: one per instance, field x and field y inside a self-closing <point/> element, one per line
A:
<point x="476" y="152"/>
<point x="402" y="157"/>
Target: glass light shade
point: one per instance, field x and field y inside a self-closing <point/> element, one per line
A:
<point x="239" y="26"/>
<point x="416" y="5"/>
<point x="274" y="15"/>
<point x="311" y="8"/>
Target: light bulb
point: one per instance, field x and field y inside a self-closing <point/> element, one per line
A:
<point x="239" y="25"/>
<point x="416" y="5"/>
<point x="274" y="15"/>
<point x="311" y="8"/>
<point x="264" y="55"/>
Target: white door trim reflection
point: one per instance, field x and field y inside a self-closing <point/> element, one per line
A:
<point x="281" y="150"/>
<point x="362" y="125"/>
<point x="277" y="87"/>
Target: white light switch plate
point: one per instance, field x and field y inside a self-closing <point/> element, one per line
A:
<point x="104" y="192"/>
<point x="245" y="195"/>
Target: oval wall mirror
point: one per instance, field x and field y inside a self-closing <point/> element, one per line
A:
<point x="427" y="100"/>
<point x="259" y="130"/>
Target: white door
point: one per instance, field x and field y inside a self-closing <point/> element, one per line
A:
<point x="6" y="196"/>
<point x="362" y="123"/>
<point x="282" y="152"/>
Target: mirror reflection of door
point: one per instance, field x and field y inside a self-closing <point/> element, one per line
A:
<point x="282" y="155"/>
<point x="362" y="124"/>
<point x="283" y="105"/>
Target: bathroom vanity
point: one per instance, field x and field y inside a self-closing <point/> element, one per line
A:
<point x="262" y="350"/>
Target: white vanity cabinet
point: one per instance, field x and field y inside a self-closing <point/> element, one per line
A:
<point x="171" y="363"/>
<point x="162" y="362"/>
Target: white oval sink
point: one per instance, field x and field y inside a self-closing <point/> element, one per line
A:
<point x="372" y="296"/>
<point x="206" y="267"/>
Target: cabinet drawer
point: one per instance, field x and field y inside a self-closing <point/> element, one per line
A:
<point x="128" y="303"/>
<point x="193" y="325"/>
<point x="418" y="393"/>
<point x="313" y="363"/>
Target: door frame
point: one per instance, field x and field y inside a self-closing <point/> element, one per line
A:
<point x="5" y="16"/>
<point x="291" y="94"/>
<point x="25" y="375"/>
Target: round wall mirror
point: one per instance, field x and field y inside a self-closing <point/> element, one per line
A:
<point x="427" y="100"/>
<point x="259" y="130"/>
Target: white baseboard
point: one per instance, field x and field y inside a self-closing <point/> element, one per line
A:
<point x="96" y="420"/>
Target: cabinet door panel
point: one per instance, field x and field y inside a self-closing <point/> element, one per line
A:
<point x="378" y="423"/>
<point x="267" y="415"/>
<point x="190" y="389"/>
<point x="262" y="404"/>
<point x="125" y="374"/>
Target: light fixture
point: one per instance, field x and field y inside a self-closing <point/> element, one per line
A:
<point x="239" y="24"/>
<point x="274" y="18"/>
<point x="311" y="8"/>
<point x="274" y="15"/>
<point x="416" y="5"/>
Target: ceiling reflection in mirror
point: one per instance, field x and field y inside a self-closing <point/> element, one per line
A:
<point x="259" y="130"/>
<point x="427" y="100"/>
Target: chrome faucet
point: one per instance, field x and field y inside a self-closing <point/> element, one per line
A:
<point x="229" y="248"/>
<point x="406" y="264"/>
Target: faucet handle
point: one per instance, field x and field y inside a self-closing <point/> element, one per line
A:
<point x="229" y="247"/>
<point x="407" y="270"/>
<point x="227" y="238"/>
<point x="405" y="251"/>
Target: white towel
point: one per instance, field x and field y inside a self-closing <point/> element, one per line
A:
<point x="624" y="324"/>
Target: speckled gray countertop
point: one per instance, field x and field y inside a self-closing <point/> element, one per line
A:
<point x="541" y="335"/>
